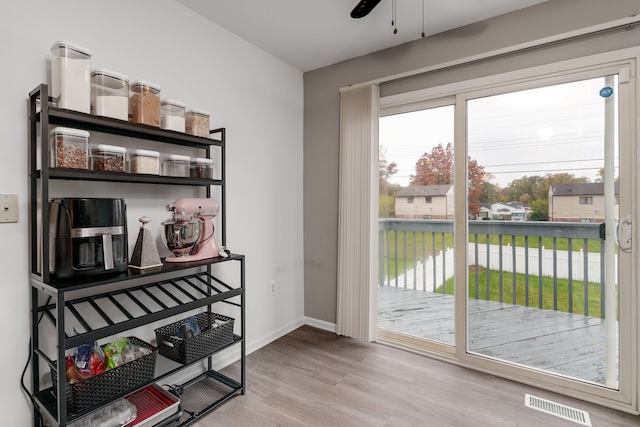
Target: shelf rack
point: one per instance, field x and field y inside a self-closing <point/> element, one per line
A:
<point x="155" y="294"/>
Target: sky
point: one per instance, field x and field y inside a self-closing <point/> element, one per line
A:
<point x="553" y="129"/>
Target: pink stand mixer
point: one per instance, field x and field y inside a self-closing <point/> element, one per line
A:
<point x="189" y="232"/>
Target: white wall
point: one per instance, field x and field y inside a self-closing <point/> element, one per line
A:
<point x="255" y="96"/>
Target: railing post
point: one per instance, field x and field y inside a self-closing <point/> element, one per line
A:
<point x="570" y="263"/>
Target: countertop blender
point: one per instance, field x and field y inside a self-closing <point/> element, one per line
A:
<point x="189" y="234"/>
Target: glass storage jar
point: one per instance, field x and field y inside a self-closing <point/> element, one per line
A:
<point x="69" y="148"/>
<point x="201" y="168"/>
<point x="70" y="76"/>
<point x="108" y="158"/>
<point x="109" y="94"/>
<point x="172" y="115"/>
<point x="145" y="162"/>
<point x="144" y="103"/>
<point x="197" y="122"/>
<point x="176" y="165"/>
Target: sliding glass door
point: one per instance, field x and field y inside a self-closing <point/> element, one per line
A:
<point x="416" y="211"/>
<point x="530" y="273"/>
<point x="543" y="264"/>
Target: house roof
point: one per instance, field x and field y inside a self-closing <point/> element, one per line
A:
<point x="424" y="190"/>
<point x="586" y="189"/>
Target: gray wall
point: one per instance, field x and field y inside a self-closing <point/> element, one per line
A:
<point x="322" y="105"/>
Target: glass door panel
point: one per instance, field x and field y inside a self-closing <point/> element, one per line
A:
<point x="544" y="187"/>
<point x="415" y="279"/>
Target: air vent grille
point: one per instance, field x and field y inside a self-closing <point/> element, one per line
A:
<point x="553" y="408"/>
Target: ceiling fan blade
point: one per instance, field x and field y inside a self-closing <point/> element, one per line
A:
<point x="363" y="8"/>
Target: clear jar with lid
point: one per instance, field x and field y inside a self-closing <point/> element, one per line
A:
<point x="197" y="122"/>
<point x="69" y="148"/>
<point x="109" y="94"/>
<point x="70" y="76"/>
<point x="145" y="162"/>
<point x="176" y="165"/>
<point x="108" y="158"/>
<point x="201" y="168"/>
<point x="144" y="103"/>
<point x="172" y="115"/>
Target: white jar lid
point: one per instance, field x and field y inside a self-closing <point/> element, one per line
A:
<point x="109" y="73"/>
<point x="197" y="111"/>
<point x="146" y="153"/>
<point x="169" y="101"/>
<point x="69" y="131"/>
<point x="108" y="149"/>
<point x="202" y="161"/>
<point x="72" y="46"/>
<point x="145" y="83"/>
<point x="178" y="157"/>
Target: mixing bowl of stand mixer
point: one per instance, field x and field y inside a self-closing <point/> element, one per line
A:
<point x="189" y="232"/>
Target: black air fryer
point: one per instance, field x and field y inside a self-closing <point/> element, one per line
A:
<point x="87" y="237"/>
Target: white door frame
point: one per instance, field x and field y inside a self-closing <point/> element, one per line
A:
<point x="627" y="398"/>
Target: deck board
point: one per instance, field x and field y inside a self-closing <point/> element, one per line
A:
<point x="563" y="343"/>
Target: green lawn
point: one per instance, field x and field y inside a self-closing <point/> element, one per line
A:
<point x="408" y="247"/>
<point x="548" y="299"/>
<point x="403" y="249"/>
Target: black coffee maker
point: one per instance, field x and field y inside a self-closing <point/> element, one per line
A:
<point x="87" y="237"/>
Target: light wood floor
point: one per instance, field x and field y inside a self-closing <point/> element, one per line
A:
<point x="312" y="377"/>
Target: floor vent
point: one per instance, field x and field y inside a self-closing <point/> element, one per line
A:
<point x="553" y="408"/>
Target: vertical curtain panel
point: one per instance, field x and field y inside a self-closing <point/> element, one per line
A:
<point x="358" y="213"/>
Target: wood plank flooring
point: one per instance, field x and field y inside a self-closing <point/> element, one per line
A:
<point x="314" y="378"/>
<point x="563" y="343"/>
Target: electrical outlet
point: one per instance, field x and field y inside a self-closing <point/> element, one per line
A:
<point x="8" y="208"/>
<point x="272" y="287"/>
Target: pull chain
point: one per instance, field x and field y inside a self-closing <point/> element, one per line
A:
<point x="394" y="21"/>
<point x="422" y="18"/>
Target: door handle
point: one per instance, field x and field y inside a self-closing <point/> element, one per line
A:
<point x="623" y="233"/>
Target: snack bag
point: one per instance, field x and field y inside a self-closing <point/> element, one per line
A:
<point x="189" y="329"/>
<point x="85" y="361"/>
<point x="113" y="352"/>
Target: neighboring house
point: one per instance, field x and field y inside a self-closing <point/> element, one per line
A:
<point x="425" y="202"/>
<point x="511" y="211"/>
<point x="485" y="211"/>
<point x="579" y="202"/>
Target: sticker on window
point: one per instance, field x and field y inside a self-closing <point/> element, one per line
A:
<point x="606" y="92"/>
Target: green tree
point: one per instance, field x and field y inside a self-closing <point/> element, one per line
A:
<point x="521" y="186"/>
<point x="385" y="171"/>
<point x="387" y="190"/>
<point x="386" y="206"/>
<point x="492" y="193"/>
<point x="539" y="210"/>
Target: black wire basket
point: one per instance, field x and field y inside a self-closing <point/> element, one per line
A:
<point x="100" y="388"/>
<point x="216" y="332"/>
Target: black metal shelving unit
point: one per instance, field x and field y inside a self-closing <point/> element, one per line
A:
<point x="139" y="297"/>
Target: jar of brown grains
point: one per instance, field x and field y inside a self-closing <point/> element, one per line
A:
<point x="69" y="148"/>
<point x="197" y="122"/>
<point x="201" y="168"/>
<point x="108" y="158"/>
<point x="144" y="103"/>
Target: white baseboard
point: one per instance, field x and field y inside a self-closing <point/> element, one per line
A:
<point x="269" y="338"/>
<point x="321" y="324"/>
<point x="229" y="357"/>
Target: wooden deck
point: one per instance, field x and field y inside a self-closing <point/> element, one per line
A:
<point x="563" y="343"/>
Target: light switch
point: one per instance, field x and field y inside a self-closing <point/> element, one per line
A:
<point x="8" y="208"/>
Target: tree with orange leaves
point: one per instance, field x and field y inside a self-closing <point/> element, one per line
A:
<point x="436" y="168"/>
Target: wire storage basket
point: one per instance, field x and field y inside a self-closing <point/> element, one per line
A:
<point x="216" y="332"/>
<point x="96" y="390"/>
